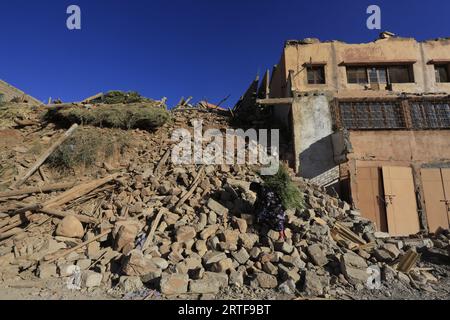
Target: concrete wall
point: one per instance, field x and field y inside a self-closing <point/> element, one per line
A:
<point x="401" y="146"/>
<point x="335" y="53"/>
<point x="312" y="135"/>
<point x="414" y="149"/>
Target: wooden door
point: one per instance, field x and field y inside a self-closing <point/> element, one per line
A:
<point x="400" y="197"/>
<point x="435" y="197"/>
<point x="446" y="183"/>
<point x="370" y="196"/>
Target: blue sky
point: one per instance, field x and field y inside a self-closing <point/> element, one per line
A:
<point x="201" y="48"/>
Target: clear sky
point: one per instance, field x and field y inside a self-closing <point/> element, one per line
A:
<point x="201" y="48"/>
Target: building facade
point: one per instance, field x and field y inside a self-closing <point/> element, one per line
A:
<point x="371" y="121"/>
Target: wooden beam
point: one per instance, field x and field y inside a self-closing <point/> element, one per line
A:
<point x="45" y="188"/>
<point x="151" y="234"/>
<point x="78" y="191"/>
<point x="45" y="155"/>
<point x="275" y="101"/>
<point x="59" y="214"/>
<point x="58" y="255"/>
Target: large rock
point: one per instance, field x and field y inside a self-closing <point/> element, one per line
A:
<point x="209" y="231"/>
<point x="213" y="257"/>
<point x="91" y="279"/>
<point x="204" y="286"/>
<point x="185" y="233"/>
<point x="266" y="281"/>
<point x="70" y="227"/>
<point x="317" y="255"/>
<point x="46" y="271"/>
<point x="135" y="264"/>
<point x="236" y="278"/>
<point x="241" y="256"/>
<point x="240" y="224"/>
<point x="270" y="268"/>
<point x="217" y="207"/>
<point x="284" y="247"/>
<point x="229" y="236"/>
<point x="221" y="278"/>
<point x="223" y="265"/>
<point x="354" y="268"/>
<point x="288" y="287"/>
<point x="314" y="284"/>
<point x="243" y="185"/>
<point x="248" y="240"/>
<point x="124" y="234"/>
<point x="130" y="284"/>
<point x="160" y="262"/>
<point x="172" y="284"/>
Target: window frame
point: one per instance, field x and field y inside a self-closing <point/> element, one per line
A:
<point x="382" y="73"/>
<point x="446" y="68"/>
<point x="315" y="68"/>
<point x="357" y="72"/>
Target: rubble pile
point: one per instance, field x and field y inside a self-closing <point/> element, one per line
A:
<point x="191" y="229"/>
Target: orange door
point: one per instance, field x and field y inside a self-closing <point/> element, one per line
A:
<point x="435" y="198"/>
<point x="401" y="205"/>
<point x="370" y="196"/>
<point x="446" y="183"/>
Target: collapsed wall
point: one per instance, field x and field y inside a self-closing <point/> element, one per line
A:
<point x="191" y="230"/>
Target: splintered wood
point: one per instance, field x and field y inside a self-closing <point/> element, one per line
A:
<point x="408" y="261"/>
<point x="44" y="156"/>
<point x="78" y="191"/>
<point x="351" y="240"/>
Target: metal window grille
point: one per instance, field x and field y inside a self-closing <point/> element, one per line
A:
<point x="372" y="115"/>
<point x="430" y="115"/>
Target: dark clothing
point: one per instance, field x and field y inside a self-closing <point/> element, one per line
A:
<point x="269" y="209"/>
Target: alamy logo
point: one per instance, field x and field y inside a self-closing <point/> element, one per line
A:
<point x="214" y="147"/>
<point x="374" y="21"/>
<point x="74" y="20"/>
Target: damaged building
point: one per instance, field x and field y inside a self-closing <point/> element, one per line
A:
<point x="371" y="121"/>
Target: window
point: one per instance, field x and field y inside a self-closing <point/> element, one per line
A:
<point x="442" y="73"/>
<point x="377" y="75"/>
<point x="429" y="115"/>
<point x="316" y="75"/>
<point x="401" y="74"/>
<point x="357" y="75"/>
<point x="372" y="115"/>
<point x="380" y="75"/>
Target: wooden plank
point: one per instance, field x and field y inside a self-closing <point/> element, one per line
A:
<point x="59" y="214"/>
<point x="78" y="191"/>
<point x="45" y="155"/>
<point x="194" y="185"/>
<point x="275" y="101"/>
<point x="10" y="233"/>
<point x="151" y="234"/>
<point x="408" y="261"/>
<point x="348" y="234"/>
<point x="162" y="162"/>
<point x="45" y="188"/>
<point x="58" y="255"/>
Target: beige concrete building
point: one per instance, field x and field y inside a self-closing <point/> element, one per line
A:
<point x="371" y="121"/>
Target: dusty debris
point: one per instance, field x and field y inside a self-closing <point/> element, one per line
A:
<point x="142" y="220"/>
